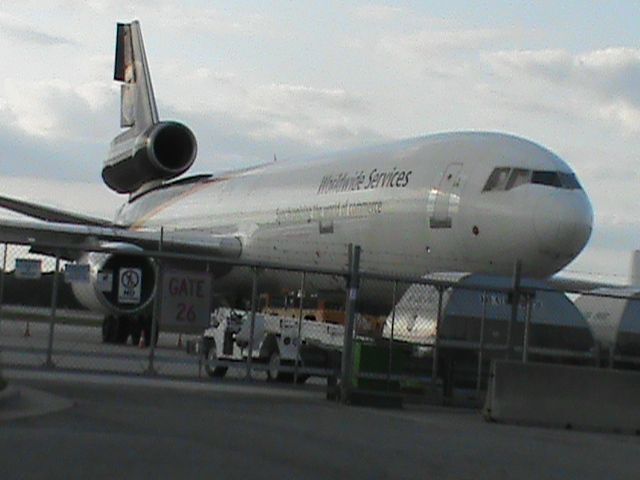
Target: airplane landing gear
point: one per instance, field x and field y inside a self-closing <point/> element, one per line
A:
<point x="118" y="329"/>
<point x="115" y="329"/>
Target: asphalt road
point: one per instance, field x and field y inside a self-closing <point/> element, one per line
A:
<point x="132" y="428"/>
<point x="80" y="347"/>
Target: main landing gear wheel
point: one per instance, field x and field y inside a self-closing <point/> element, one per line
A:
<point x="211" y="356"/>
<point x="115" y="329"/>
<point x="123" y="330"/>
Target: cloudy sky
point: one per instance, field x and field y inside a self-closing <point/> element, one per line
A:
<point x="297" y="78"/>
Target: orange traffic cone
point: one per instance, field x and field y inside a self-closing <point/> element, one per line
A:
<point x="179" y="341"/>
<point x="27" y="331"/>
<point x="141" y="343"/>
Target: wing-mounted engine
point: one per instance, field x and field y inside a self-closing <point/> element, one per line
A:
<point x="120" y="283"/>
<point x="149" y="151"/>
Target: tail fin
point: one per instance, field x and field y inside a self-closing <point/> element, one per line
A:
<point x="149" y="151"/>
<point x="137" y="103"/>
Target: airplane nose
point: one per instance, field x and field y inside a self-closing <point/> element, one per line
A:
<point x="563" y="220"/>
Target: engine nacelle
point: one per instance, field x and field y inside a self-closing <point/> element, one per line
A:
<point x="119" y="283"/>
<point x="164" y="151"/>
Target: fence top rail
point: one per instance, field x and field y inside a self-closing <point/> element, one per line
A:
<point x="442" y="284"/>
<point x="265" y="265"/>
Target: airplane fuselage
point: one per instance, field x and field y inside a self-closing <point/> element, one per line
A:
<point x="416" y="206"/>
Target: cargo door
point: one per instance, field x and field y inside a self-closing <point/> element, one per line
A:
<point x="443" y="201"/>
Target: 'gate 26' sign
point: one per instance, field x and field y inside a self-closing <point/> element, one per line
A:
<point x="186" y="298"/>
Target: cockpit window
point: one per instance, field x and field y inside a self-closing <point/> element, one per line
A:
<point x="543" y="177"/>
<point x="570" y="181"/>
<point x="504" y="178"/>
<point x="519" y="176"/>
<point x="497" y="180"/>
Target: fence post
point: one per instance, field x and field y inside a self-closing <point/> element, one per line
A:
<point x="434" y="365"/>
<point x="254" y="306"/>
<point x="527" y="327"/>
<point x="596" y="354"/>
<point x="346" y="379"/>
<point x="201" y="356"/>
<point x="393" y="324"/>
<point x="157" y="306"/>
<point x="52" y="319"/>
<point x="4" y="268"/>
<point x="612" y="352"/>
<point x="2" y="273"/>
<point x="481" y="343"/>
<point x="515" y="304"/>
<point x="298" y="344"/>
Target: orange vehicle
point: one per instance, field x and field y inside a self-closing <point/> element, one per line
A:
<point x="319" y="309"/>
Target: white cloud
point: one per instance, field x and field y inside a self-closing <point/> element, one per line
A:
<point x="28" y="34"/>
<point x="55" y="108"/>
<point x="551" y="64"/>
<point x="209" y="20"/>
<point x="294" y="98"/>
<point x="377" y="13"/>
<point x="602" y="83"/>
<point x="97" y="200"/>
<point x="440" y="52"/>
<point x="304" y="114"/>
<point x="314" y="116"/>
<point x="24" y="34"/>
<point x="622" y="113"/>
<point x="429" y="41"/>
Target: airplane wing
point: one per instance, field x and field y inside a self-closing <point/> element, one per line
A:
<point x="50" y="214"/>
<point x="44" y="237"/>
<point x="577" y="285"/>
<point x="559" y="282"/>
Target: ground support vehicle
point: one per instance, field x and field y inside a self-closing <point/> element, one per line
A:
<point x="277" y="342"/>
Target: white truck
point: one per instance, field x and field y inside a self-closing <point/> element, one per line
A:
<point x="277" y="342"/>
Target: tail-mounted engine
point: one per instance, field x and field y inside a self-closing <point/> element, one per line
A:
<point x="164" y="151"/>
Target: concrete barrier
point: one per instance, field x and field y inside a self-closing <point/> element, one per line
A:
<point x="563" y="396"/>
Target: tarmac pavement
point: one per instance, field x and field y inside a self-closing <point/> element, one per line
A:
<point x="124" y="427"/>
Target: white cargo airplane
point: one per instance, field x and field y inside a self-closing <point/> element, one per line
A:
<point x="453" y="202"/>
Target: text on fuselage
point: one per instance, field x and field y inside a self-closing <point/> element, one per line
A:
<point x="346" y="182"/>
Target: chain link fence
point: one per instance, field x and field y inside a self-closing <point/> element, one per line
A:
<point x="417" y="336"/>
